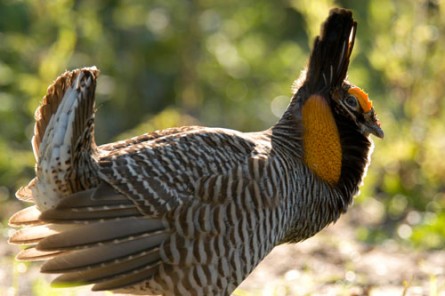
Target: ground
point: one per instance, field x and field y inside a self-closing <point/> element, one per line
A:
<point x="334" y="262"/>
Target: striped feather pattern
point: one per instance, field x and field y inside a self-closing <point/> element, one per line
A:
<point x="183" y="211"/>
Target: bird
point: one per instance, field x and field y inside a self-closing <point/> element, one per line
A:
<point x="193" y="210"/>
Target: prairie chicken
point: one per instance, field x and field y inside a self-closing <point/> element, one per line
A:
<point x="192" y="210"/>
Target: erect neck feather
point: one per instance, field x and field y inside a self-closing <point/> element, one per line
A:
<point x="321" y="139"/>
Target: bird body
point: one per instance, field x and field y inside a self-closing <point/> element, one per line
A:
<point x="192" y="210"/>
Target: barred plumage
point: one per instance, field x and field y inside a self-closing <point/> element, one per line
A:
<point x="191" y="210"/>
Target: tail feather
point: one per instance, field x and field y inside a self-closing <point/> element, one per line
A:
<point x="52" y="100"/>
<point x="25" y="193"/>
<point x="63" y="139"/>
<point x="330" y="56"/>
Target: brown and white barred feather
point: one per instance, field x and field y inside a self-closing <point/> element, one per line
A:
<point x="184" y="211"/>
<point x="190" y="211"/>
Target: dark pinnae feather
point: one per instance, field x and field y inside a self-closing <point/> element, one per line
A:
<point x="329" y="60"/>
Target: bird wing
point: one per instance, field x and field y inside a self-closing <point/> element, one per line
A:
<point x="147" y="137"/>
<point x="223" y="233"/>
<point x="100" y="235"/>
<point x="161" y="173"/>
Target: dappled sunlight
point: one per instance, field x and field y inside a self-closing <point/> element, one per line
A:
<point x="168" y="63"/>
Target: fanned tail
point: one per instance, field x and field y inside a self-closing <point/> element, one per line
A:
<point x="330" y="56"/>
<point x="64" y="85"/>
<point x="63" y="141"/>
<point x="84" y="229"/>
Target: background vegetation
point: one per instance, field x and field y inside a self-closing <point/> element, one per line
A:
<point x="231" y="64"/>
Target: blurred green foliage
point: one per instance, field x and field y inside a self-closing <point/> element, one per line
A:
<point x="231" y="64"/>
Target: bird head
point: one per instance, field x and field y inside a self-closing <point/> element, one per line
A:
<point x="354" y="104"/>
<point x="327" y="70"/>
<point x="335" y="117"/>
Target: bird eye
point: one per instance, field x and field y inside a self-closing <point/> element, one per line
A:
<point x="351" y="101"/>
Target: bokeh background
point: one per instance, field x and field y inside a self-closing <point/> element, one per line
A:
<point x="231" y="64"/>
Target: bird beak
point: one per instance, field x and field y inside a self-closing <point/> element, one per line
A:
<point x="372" y="125"/>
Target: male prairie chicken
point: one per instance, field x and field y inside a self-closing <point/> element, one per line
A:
<point x="192" y="210"/>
